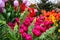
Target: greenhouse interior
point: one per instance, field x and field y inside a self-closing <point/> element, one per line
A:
<point x="29" y="19"/>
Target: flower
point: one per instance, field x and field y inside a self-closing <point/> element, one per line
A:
<point x="24" y="27"/>
<point x="24" y="35"/>
<point x="16" y="3"/>
<point x="29" y="37"/>
<point x="28" y="4"/>
<point x="17" y="20"/>
<point x="22" y="7"/>
<point x="5" y="0"/>
<point x="24" y="1"/>
<point x="58" y="16"/>
<point x="36" y="32"/>
<point x="59" y="30"/>
<point x="21" y="30"/>
<point x="37" y="27"/>
<point x="11" y="25"/>
<point x="32" y="12"/>
<point x="2" y="4"/>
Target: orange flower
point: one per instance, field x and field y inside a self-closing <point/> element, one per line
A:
<point x="58" y="16"/>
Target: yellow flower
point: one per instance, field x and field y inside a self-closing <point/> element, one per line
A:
<point x="53" y="18"/>
<point x="58" y="30"/>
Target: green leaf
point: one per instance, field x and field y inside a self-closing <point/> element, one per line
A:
<point x="31" y="27"/>
<point x="48" y="33"/>
<point x="23" y="16"/>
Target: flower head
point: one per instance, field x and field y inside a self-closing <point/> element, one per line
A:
<point x="16" y="3"/>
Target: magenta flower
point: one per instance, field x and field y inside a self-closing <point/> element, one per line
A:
<point x="2" y="4"/>
<point x="31" y="19"/>
<point x="42" y="17"/>
<point x="24" y="28"/>
<point x="42" y="29"/>
<point x="16" y="3"/>
<point x="37" y="27"/>
<point x="46" y="23"/>
<point x="17" y="20"/>
<point x="24" y="35"/>
<point x="21" y="30"/>
<point x="27" y="22"/>
<point x="29" y="37"/>
<point x="36" y="32"/>
<point x="11" y="25"/>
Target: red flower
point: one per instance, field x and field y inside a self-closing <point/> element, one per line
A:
<point x="32" y="12"/>
<point x="22" y="7"/>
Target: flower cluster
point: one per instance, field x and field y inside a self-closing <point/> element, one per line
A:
<point x="12" y="24"/>
<point x="24" y="28"/>
<point x="41" y="26"/>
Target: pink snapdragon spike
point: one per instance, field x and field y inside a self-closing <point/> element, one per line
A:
<point x="2" y="4"/>
<point x="36" y="32"/>
<point x="29" y="37"/>
<point x="16" y="3"/>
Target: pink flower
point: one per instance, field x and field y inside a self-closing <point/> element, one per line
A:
<point x="11" y="25"/>
<point x="35" y="10"/>
<point x="17" y="20"/>
<point x="16" y="3"/>
<point x="37" y="27"/>
<point x="46" y="23"/>
<point x="2" y="4"/>
<point x="24" y="28"/>
<point x="36" y="32"/>
<point x="42" y="29"/>
<point x="5" y="0"/>
<point x="31" y="19"/>
<point x="24" y="1"/>
<point x="28" y="4"/>
<point x="42" y="17"/>
<point x="24" y="35"/>
<point x="29" y="37"/>
<point x="21" y="30"/>
<point x="27" y="22"/>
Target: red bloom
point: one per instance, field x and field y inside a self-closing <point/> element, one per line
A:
<point x="22" y="7"/>
<point x="32" y="12"/>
